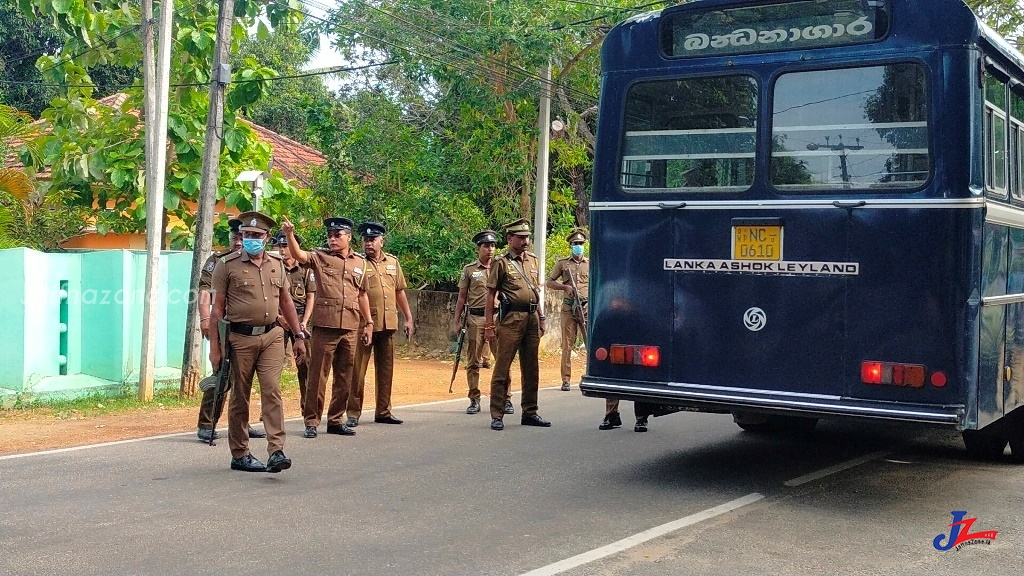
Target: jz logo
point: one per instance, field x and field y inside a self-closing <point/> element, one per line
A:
<point x="960" y="533"/>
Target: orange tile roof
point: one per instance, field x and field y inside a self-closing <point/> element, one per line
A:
<point x="292" y="159"/>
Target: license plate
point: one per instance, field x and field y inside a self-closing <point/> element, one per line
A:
<point x="757" y="242"/>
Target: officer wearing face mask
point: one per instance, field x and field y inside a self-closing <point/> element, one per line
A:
<point x="250" y="287"/>
<point x="571" y="275"/>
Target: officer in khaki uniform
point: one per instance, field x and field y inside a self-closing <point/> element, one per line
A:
<point x="302" y="288"/>
<point x="472" y="293"/>
<point x="515" y="276"/>
<point x="385" y="286"/>
<point x="566" y="272"/>
<point x="205" y="425"/>
<point x="340" y="307"/>
<point x="249" y="288"/>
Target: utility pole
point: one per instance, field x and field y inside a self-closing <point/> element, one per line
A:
<point x="540" y="203"/>
<point x="219" y="79"/>
<point x="156" y="104"/>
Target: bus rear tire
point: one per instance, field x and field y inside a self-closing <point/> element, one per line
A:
<point x="984" y="445"/>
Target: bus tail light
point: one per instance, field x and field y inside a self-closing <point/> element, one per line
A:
<point x="649" y="356"/>
<point x="893" y="374"/>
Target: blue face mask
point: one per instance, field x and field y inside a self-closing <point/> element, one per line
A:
<point x="252" y="246"/>
<point x="577" y="250"/>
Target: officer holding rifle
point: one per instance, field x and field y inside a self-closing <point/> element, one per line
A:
<point x="249" y="288"/>
<point x="572" y="276"/>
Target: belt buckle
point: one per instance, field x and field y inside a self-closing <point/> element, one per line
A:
<point x="258" y="330"/>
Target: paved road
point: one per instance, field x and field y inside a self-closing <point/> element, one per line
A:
<point x="443" y="494"/>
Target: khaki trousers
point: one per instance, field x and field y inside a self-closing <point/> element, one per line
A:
<point x="382" y="347"/>
<point x="640" y="410"/>
<point x="261" y="356"/>
<point x="301" y="370"/>
<point x="518" y="333"/>
<point x="570" y="327"/>
<point x="475" y="354"/>
<point x="330" y="349"/>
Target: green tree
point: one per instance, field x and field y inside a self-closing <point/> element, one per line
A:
<point x="95" y="152"/>
<point x="284" y="108"/>
<point x="1004" y="16"/>
<point x="31" y="213"/>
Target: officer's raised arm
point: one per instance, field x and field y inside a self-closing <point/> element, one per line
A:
<point x="300" y="255"/>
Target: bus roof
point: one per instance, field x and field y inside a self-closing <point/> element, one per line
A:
<point x="634" y="43"/>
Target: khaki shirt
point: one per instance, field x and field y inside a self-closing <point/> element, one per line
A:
<point x="302" y="282"/>
<point x="384" y="278"/>
<point x="506" y="278"/>
<point x="474" y="281"/>
<point x="251" y="293"/>
<point x="339" y="282"/>
<point x="580" y="272"/>
<point x="206" y="274"/>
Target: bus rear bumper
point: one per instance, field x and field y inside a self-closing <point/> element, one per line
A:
<point x="726" y="399"/>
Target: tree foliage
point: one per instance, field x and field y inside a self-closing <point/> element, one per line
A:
<point x="96" y="152"/>
<point x="32" y="214"/>
<point x="284" y="107"/>
<point x="453" y="115"/>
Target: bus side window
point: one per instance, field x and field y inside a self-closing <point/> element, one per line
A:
<point x="995" y="136"/>
<point x="1016" y="144"/>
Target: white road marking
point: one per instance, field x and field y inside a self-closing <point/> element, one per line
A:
<point x="192" y="433"/>
<point x="837" y="468"/>
<point x="641" y="537"/>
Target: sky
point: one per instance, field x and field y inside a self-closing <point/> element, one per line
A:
<point x="327" y="56"/>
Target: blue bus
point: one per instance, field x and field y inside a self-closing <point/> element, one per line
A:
<point x="806" y="209"/>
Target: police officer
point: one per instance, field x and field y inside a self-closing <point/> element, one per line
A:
<point x="205" y="424"/>
<point x="572" y="276"/>
<point x="473" y="292"/>
<point x="249" y="288"/>
<point x="515" y="276"/>
<point x="341" y="305"/>
<point x="385" y="286"/>
<point x="302" y="288"/>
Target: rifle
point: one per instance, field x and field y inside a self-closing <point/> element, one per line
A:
<point x="458" y="345"/>
<point x="222" y="381"/>
<point x="579" y="311"/>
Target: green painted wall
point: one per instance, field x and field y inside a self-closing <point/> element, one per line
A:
<point x="101" y="310"/>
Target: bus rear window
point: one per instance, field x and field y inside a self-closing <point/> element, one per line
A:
<point x="693" y="135"/>
<point x="852" y="128"/>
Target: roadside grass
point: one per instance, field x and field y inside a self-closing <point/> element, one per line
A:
<point x="119" y="402"/>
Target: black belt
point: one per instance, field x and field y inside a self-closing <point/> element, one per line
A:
<point x="522" y="308"/>
<point x="571" y="301"/>
<point x="476" y="311"/>
<point x="249" y="330"/>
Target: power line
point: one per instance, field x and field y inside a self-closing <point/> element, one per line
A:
<point x="469" y="55"/>
<point x="322" y="72"/>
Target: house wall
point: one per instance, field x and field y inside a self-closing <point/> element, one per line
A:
<point x="76" y="319"/>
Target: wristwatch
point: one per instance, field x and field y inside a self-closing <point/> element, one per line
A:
<point x="299" y="336"/>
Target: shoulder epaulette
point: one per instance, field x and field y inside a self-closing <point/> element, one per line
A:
<point x="231" y="256"/>
<point x="274" y="256"/>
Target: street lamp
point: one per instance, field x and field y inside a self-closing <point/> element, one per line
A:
<point x="255" y="179"/>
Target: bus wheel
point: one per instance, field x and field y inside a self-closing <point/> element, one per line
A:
<point x="752" y="422"/>
<point x="984" y="445"/>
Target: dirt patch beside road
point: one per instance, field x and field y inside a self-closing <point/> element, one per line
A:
<point x="416" y="381"/>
